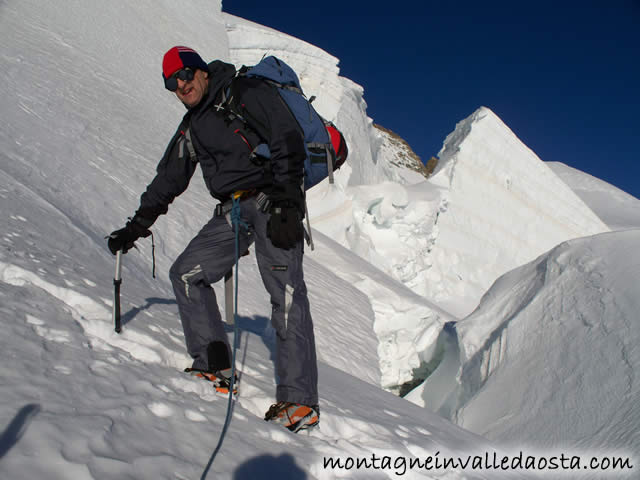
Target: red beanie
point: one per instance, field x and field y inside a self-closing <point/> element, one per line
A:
<point x="178" y="58"/>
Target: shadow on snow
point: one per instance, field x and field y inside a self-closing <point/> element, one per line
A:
<point x="17" y="428"/>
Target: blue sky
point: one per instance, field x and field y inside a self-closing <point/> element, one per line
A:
<point x="563" y="75"/>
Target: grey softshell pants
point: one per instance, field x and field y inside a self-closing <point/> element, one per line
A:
<point x="207" y="258"/>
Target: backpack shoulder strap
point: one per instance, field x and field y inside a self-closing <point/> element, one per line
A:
<point x="233" y="104"/>
<point x="226" y="94"/>
<point x="189" y="144"/>
<point x="184" y="140"/>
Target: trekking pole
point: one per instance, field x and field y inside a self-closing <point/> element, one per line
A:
<point x="117" y="281"/>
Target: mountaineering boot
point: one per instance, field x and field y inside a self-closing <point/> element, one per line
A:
<point x="221" y="379"/>
<point x="294" y="416"/>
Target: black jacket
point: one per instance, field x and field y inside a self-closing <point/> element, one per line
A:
<point x="223" y="144"/>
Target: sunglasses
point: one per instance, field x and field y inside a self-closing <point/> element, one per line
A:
<point x="171" y="83"/>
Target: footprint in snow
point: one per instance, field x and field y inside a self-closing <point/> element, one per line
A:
<point x="161" y="410"/>
<point x="195" y="416"/>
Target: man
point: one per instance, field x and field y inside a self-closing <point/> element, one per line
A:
<point x="271" y="203"/>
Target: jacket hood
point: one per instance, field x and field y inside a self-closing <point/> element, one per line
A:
<point x="219" y="74"/>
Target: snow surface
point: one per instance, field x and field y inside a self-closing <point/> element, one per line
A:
<point x="503" y="207"/>
<point x="561" y="335"/>
<point x="397" y="262"/>
<point x="616" y="208"/>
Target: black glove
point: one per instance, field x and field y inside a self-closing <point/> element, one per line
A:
<point x="284" y="227"/>
<point x="125" y="238"/>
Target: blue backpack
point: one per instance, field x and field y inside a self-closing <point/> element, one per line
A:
<point x="325" y="145"/>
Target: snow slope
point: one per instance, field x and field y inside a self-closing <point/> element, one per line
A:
<point x="101" y="405"/>
<point x="616" y="208"/>
<point x="561" y="335"/>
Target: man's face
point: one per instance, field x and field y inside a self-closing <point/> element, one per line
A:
<point x="191" y="92"/>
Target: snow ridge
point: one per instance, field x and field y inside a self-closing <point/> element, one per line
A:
<point x="552" y="330"/>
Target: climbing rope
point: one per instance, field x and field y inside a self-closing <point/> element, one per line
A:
<point x="237" y="222"/>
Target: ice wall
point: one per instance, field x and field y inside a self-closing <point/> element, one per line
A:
<point x="490" y="206"/>
<point x="501" y="207"/>
<point x="550" y="356"/>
